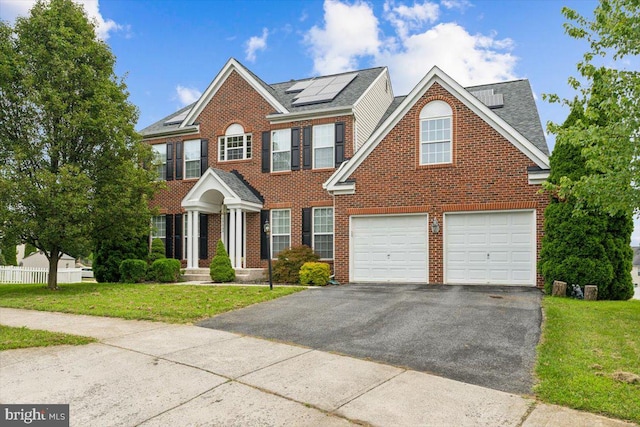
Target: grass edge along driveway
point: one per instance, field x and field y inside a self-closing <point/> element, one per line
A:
<point x="12" y="338"/>
<point x="586" y="352"/>
<point x="162" y="303"/>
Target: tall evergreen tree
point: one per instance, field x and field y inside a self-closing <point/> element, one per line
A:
<point x="583" y="244"/>
<point x="70" y="159"/>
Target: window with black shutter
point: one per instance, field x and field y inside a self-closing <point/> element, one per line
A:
<point x="178" y="237"/>
<point x="203" y="243"/>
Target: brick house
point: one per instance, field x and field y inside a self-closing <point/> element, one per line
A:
<point x="438" y="186"/>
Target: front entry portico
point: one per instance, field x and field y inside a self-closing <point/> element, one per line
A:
<point x="226" y="194"/>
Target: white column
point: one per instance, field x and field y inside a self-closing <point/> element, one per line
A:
<point x="238" y="238"/>
<point x="232" y="236"/>
<point x="189" y="233"/>
<point x="244" y="239"/>
<point x="195" y="240"/>
<point x="223" y="229"/>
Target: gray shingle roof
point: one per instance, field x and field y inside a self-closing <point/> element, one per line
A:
<point x="235" y="182"/>
<point x="519" y="109"/>
<point x="346" y="98"/>
<point x="160" y="127"/>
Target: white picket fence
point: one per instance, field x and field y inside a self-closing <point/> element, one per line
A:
<point x="10" y="274"/>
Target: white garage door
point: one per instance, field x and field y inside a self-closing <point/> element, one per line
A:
<point x="492" y="248"/>
<point x="389" y="248"/>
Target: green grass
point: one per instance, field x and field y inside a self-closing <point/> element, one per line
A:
<point x="12" y="338"/>
<point x="166" y="303"/>
<point x="583" y="344"/>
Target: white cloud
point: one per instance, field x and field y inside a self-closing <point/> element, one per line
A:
<point x="11" y="9"/>
<point x="352" y="32"/>
<point x="405" y="18"/>
<point x="255" y="44"/>
<point x="187" y="95"/>
<point x="456" y="4"/>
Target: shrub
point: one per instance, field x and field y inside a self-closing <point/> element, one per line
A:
<point x="157" y="250"/>
<point x="110" y="253"/>
<point x="133" y="270"/>
<point x="287" y="268"/>
<point x="315" y="273"/>
<point x="165" y="270"/>
<point x="220" y="268"/>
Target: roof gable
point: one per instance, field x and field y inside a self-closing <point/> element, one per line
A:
<point x="231" y="66"/>
<point x="337" y="182"/>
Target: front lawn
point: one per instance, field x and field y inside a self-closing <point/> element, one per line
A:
<point x="12" y="338"/>
<point x="165" y="303"/>
<point x="588" y="355"/>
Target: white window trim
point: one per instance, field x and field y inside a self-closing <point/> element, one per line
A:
<point x="425" y="117"/>
<point x="197" y="142"/>
<point x="315" y="146"/>
<point x="223" y="141"/>
<point x="272" y="234"/>
<point x="163" y="164"/>
<point x="288" y="150"/>
<point x="154" y="228"/>
<point x="333" y="227"/>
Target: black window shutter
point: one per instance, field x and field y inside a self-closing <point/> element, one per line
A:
<point x="179" y="152"/>
<point x="339" y="143"/>
<point x="178" y="237"/>
<point x="168" y="237"/>
<point x="295" y="149"/>
<point x="204" y="155"/>
<point x="306" y="147"/>
<point x="264" y="239"/>
<point x="169" y="165"/>
<point x="306" y="226"/>
<point x="266" y="152"/>
<point x="203" y="244"/>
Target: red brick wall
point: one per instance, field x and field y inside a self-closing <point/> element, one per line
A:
<point x="237" y="102"/>
<point x="487" y="173"/>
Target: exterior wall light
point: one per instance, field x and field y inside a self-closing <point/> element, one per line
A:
<point x="435" y="226"/>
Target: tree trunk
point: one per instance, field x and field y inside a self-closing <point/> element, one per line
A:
<point x="559" y="289"/>
<point x="52" y="282"/>
<point x="591" y="292"/>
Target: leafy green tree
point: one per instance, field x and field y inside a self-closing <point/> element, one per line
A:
<point x="220" y="268"/>
<point x="609" y="94"/>
<point x="71" y="170"/>
<point x="584" y="246"/>
<point x="9" y="252"/>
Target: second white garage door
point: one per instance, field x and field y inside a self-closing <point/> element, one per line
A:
<point x="389" y="248"/>
<point x="490" y="248"/>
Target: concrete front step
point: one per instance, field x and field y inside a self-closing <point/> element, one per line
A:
<point x="243" y="275"/>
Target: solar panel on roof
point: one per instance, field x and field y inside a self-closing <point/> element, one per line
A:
<point x="177" y="119"/>
<point x="489" y="98"/>
<point x="299" y="87"/>
<point x="323" y="89"/>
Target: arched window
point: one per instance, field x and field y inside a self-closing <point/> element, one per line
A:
<point x="435" y="133"/>
<point x="235" y="144"/>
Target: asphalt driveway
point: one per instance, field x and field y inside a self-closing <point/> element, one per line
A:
<point x="476" y="334"/>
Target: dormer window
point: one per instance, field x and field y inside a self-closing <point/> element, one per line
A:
<point x="435" y="133"/>
<point x="235" y="144"/>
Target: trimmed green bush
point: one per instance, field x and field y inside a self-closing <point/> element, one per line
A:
<point x="287" y="268"/>
<point x="315" y="273"/>
<point x="157" y="250"/>
<point x="165" y="270"/>
<point x="133" y="270"/>
<point x="110" y="253"/>
<point x="220" y="268"/>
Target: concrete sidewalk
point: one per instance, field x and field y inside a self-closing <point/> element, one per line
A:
<point x="156" y="374"/>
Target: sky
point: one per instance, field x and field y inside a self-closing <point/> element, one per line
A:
<point x="169" y="51"/>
